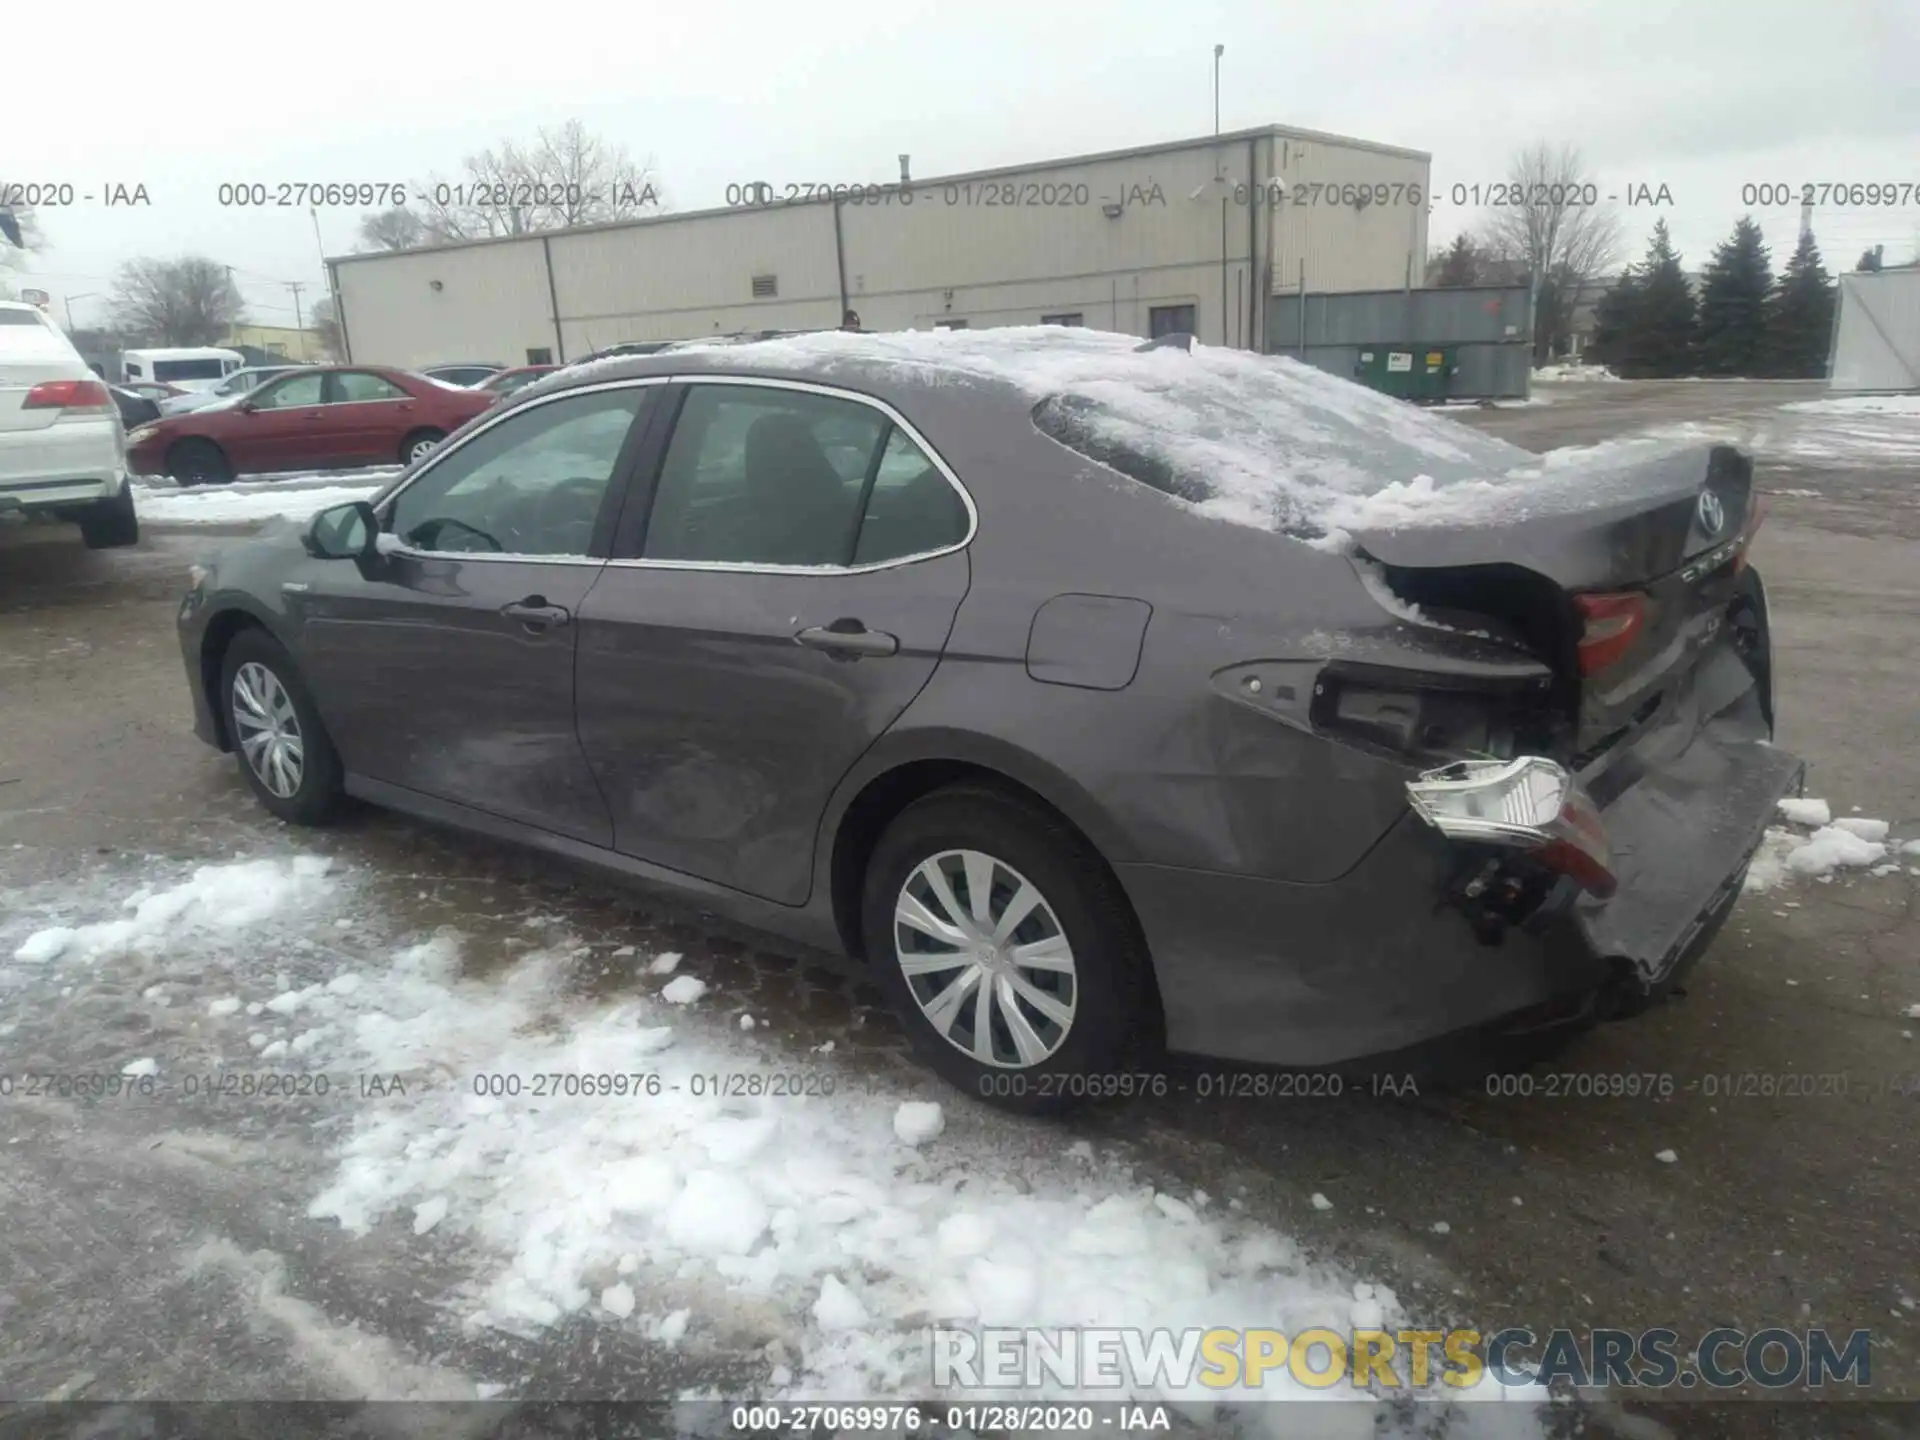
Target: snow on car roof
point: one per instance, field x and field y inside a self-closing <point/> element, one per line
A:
<point x="1257" y="439"/>
<point x="1261" y="440"/>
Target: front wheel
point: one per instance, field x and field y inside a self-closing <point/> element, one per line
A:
<point x="419" y="444"/>
<point x="285" y="754"/>
<point x="1007" y="949"/>
<point x="199" y="462"/>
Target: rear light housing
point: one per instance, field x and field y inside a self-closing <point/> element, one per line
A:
<point x="1611" y="624"/>
<point x="1529" y="804"/>
<point x="83" y="395"/>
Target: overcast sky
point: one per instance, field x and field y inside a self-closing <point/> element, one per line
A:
<point x="1697" y="95"/>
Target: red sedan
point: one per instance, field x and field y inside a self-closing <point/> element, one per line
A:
<point x="319" y="417"/>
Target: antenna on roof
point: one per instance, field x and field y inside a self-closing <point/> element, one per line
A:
<point x="905" y="179"/>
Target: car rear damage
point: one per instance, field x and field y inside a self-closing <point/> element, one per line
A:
<point x="1623" y="773"/>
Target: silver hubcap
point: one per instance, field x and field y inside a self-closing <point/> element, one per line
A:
<point x="421" y="447"/>
<point x="986" y="959"/>
<point x="268" y="730"/>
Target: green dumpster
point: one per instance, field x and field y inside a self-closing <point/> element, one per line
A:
<point x="1422" y="373"/>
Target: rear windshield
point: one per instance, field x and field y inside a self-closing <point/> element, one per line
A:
<point x="20" y="317"/>
<point x="187" y="369"/>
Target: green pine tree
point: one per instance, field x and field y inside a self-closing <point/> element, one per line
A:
<point x="1732" y="336"/>
<point x="1460" y="265"/>
<point x="1800" y="316"/>
<point x="1613" y="320"/>
<point x="1663" y="329"/>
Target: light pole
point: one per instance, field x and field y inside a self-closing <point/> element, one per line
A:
<point x="1218" y="51"/>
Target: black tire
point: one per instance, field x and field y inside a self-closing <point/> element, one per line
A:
<point x="317" y="796"/>
<point x="199" y="462"/>
<point x="428" y="436"/>
<point x="111" y="524"/>
<point x="1111" y="992"/>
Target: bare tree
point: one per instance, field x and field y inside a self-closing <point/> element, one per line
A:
<point x="189" y="301"/>
<point x="395" y="229"/>
<point x="565" y="177"/>
<point x="326" y="324"/>
<point x="1562" y="244"/>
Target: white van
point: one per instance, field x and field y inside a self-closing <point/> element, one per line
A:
<point x="194" y="367"/>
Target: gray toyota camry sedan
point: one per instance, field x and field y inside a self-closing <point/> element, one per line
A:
<point x="1101" y="697"/>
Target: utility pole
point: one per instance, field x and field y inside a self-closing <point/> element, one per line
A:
<point x="296" y="286"/>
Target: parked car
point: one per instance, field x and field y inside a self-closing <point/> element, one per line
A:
<point x="465" y="373"/>
<point x="318" y="417"/>
<point x="506" y="382"/>
<point x="1097" y="700"/>
<point x="62" y="446"/>
<point x="135" y="409"/>
<point x="231" y="387"/>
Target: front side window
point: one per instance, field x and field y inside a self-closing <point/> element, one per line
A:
<point x="533" y="484"/>
<point x="288" y="394"/>
<point x="355" y="386"/>
<point x="762" y="476"/>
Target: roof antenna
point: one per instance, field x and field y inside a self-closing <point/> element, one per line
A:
<point x="905" y="178"/>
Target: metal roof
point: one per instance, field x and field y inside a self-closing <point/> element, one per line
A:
<point x="1230" y="137"/>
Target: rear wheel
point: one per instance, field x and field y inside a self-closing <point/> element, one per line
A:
<point x="1007" y="949"/>
<point x="199" y="462"/>
<point x="283" y="749"/>
<point x="110" y="524"/>
<point x="418" y="444"/>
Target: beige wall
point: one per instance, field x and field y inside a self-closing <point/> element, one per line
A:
<point x="948" y="255"/>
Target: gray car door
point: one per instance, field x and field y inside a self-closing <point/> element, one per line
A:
<point x="783" y="597"/>
<point x="445" y="663"/>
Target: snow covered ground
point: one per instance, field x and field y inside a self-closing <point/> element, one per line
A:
<point x="294" y="495"/>
<point x="652" y="1166"/>
<point x="1560" y="374"/>
<point x="1859" y="405"/>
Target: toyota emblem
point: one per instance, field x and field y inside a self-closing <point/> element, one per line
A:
<point x="1712" y="513"/>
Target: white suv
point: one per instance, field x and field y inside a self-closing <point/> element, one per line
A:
<point x="62" y="448"/>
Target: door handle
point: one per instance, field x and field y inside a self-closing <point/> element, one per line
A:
<point x="848" y="639"/>
<point x="535" y="613"/>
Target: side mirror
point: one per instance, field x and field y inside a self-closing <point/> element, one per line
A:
<point x="246" y="407"/>
<point x="343" y="532"/>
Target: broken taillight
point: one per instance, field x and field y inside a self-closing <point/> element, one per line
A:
<point x="1611" y="624"/>
<point x="1531" y="804"/>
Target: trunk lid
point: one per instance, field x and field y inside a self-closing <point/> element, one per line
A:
<point x="1644" y="549"/>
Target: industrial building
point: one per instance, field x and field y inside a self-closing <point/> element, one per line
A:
<point x="1197" y="235"/>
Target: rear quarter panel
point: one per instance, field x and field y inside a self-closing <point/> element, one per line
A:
<point x="1165" y="770"/>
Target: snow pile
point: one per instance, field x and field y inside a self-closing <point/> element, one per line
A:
<point x="228" y="898"/>
<point x="829" y="1227"/>
<point x="1852" y="842"/>
<point x="847" y="1223"/>
<point x="1859" y="405"/>
<point x="1554" y="374"/>
<point x="225" y="505"/>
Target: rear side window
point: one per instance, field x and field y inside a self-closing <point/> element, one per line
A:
<point x="763" y="476"/>
<point x="911" y="509"/>
<point x="352" y="386"/>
